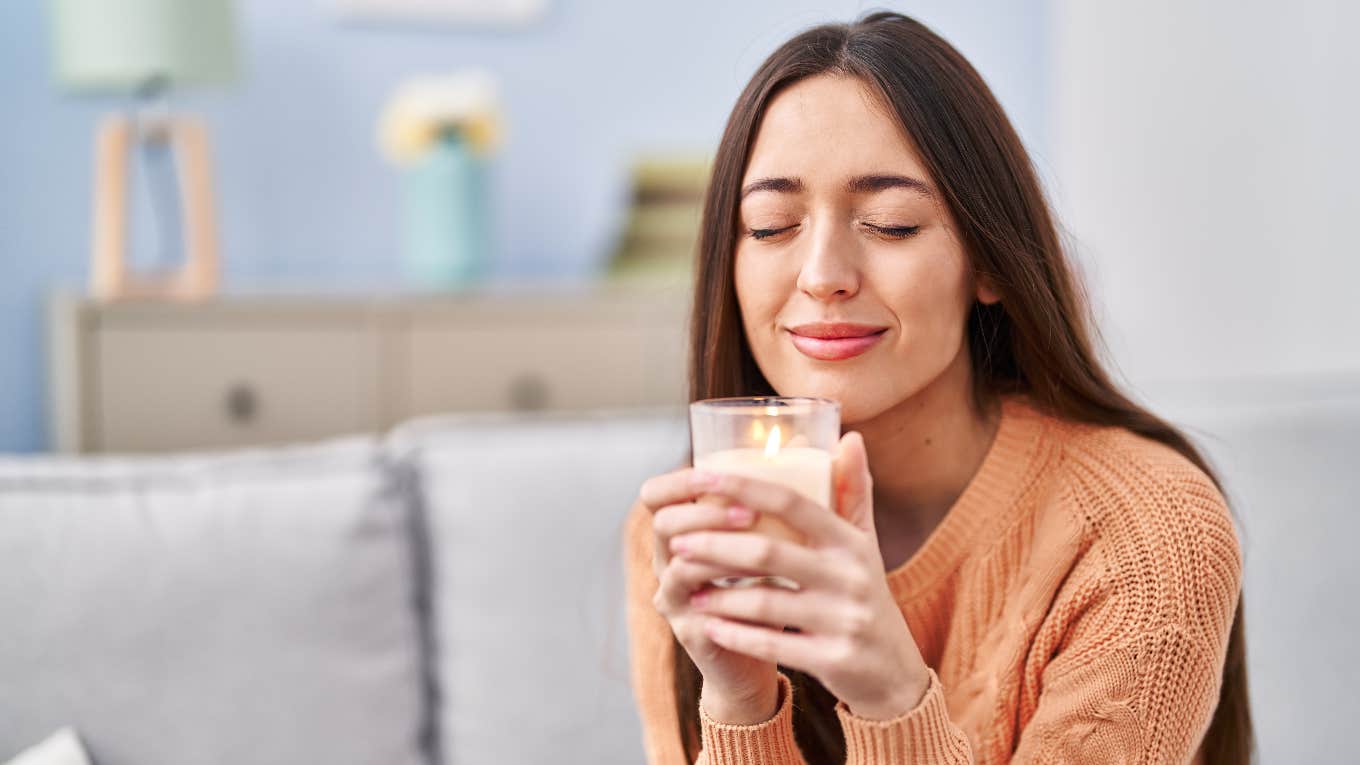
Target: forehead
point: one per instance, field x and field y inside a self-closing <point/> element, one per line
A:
<point x="827" y="128"/>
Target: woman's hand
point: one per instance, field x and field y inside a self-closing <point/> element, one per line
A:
<point x="738" y="689"/>
<point x="852" y="634"/>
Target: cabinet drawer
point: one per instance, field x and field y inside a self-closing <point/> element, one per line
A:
<point x="162" y="388"/>
<point x="576" y="366"/>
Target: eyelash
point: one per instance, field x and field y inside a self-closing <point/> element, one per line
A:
<point x="894" y="232"/>
<point x="763" y="233"/>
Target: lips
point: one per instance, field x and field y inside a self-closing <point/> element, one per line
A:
<point x="835" y="342"/>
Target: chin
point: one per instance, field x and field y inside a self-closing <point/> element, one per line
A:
<point x="856" y="412"/>
<point x="858" y="403"/>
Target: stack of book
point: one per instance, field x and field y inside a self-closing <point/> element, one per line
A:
<point x="658" y="242"/>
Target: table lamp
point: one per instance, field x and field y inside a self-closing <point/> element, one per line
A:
<point x="144" y="48"/>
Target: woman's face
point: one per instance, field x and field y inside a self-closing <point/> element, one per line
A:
<point x="840" y="224"/>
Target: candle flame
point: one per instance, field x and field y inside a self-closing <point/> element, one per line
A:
<point x="757" y="431"/>
<point x="772" y="445"/>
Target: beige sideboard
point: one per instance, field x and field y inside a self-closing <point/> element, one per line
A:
<point x="157" y="376"/>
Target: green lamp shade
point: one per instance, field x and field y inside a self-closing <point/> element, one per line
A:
<point x="122" y="45"/>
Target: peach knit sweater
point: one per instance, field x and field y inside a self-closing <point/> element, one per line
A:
<point x="1073" y="606"/>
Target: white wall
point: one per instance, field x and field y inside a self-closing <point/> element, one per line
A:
<point x="1206" y="165"/>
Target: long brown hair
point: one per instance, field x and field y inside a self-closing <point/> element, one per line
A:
<point x="1037" y="339"/>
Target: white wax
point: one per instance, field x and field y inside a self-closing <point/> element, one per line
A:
<point x="803" y="469"/>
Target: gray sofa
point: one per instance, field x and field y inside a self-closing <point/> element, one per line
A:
<point x="452" y="592"/>
<point x="449" y="593"/>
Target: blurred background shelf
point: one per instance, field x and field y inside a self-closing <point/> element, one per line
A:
<point x="272" y="369"/>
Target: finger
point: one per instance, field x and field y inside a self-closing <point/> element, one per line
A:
<point x="801" y="651"/>
<point x="682" y="578"/>
<point x="673" y="520"/>
<point x="679" y="519"/>
<point x="854" y="485"/>
<point x="753" y="551"/>
<point x="809" y="611"/>
<point x="673" y="488"/>
<point x="818" y="523"/>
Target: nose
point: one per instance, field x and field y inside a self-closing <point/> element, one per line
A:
<point x="830" y="270"/>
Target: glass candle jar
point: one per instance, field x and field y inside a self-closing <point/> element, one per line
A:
<point x="785" y="440"/>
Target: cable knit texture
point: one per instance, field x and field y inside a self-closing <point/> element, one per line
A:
<point x="1073" y="605"/>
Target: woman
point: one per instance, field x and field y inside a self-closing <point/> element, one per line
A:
<point x="1024" y="566"/>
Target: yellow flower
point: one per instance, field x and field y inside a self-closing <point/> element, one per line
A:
<point x="424" y="107"/>
<point x="484" y="132"/>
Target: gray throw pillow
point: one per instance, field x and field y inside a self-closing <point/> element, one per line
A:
<point x="253" y="607"/>
<point x="525" y="519"/>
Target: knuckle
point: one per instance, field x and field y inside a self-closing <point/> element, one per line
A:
<point x="842" y="651"/>
<point x="856" y="584"/>
<point x="868" y="552"/>
<point x="667" y="585"/>
<point x="664" y="602"/>
<point x="764" y="606"/>
<point x="687" y="577"/>
<point x="663" y="523"/>
<point x="648" y="491"/>
<point x="765" y="552"/>
<point x="764" y="643"/>
<point x="682" y="574"/>
<point x="728" y="483"/>
<point x="660" y="490"/>
<point x="858" y="621"/>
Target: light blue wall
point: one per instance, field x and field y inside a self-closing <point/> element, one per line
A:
<point x="304" y="200"/>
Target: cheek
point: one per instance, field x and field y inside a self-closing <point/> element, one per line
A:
<point x="929" y="295"/>
<point x="758" y="292"/>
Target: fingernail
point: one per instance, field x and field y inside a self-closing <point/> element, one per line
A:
<point x="678" y="545"/>
<point x="739" y="516"/>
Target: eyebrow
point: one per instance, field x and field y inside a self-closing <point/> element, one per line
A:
<point x="864" y="184"/>
<point x="784" y="185"/>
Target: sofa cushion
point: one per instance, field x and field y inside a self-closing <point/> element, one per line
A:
<point x="525" y="518"/>
<point x="247" y="607"/>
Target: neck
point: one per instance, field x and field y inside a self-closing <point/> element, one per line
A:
<point x="924" y="451"/>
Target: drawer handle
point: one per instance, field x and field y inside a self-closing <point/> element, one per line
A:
<point x="528" y="393"/>
<point x="242" y="404"/>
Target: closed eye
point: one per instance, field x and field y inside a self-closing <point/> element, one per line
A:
<point x="764" y="233"/>
<point x="894" y="232"/>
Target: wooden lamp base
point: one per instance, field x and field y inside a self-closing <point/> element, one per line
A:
<point x="111" y="276"/>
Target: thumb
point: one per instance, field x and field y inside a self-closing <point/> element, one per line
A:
<point x="854" y="485"/>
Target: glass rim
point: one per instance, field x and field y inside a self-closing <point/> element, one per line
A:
<point x="737" y="403"/>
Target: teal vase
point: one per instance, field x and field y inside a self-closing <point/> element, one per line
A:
<point x="446" y="222"/>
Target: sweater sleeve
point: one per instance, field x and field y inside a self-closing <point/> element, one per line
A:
<point x="652" y="669"/>
<point x="650" y="647"/>
<point x="1137" y="678"/>
<point x="766" y="743"/>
